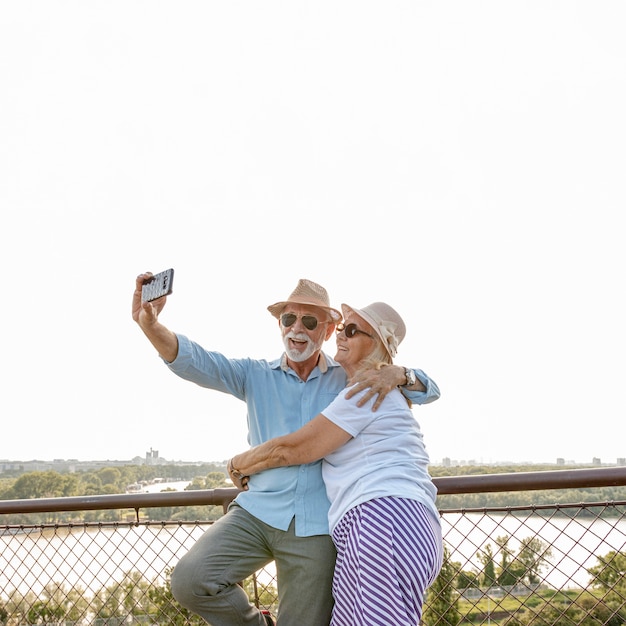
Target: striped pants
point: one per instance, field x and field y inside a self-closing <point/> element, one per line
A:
<point x="389" y="550"/>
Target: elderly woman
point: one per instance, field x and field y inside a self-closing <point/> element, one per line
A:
<point x="383" y="518"/>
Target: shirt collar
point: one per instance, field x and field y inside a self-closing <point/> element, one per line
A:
<point x="322" y="363"/>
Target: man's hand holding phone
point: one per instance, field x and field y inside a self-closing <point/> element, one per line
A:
<point x="148" y="304"/>
<point x="153" y="289"/>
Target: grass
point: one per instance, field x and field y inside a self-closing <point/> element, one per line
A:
<point x="498" y="610"/>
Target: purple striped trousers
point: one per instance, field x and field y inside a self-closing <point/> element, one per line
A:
<point x="389" y="550"/>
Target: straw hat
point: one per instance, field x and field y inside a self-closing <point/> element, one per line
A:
<point x="307" y="292"/>
<point x="384" y="320"/>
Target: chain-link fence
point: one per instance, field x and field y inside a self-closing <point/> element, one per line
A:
<point x="562" y="564"/>
<point x="100" y="573"/>
<point x="532" y="565"/>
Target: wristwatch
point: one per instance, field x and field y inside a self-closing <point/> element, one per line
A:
<point x="410" y="377"/>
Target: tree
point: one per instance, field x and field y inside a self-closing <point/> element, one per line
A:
<point x="129" y="597"/>
<point x="216" y="480"/>
<point x="55" y="603"/>
<point x="507" y="574"/>
<point x="610" y="571"/>
<point x="110" y="477"/>
<point x="43" y="485"/>
<point x="41" y="613"/>
<point x="468" y="579"/>
<point x="532" y="557"/>
<point x="441" y="606"/>
<point x="485" y="556"/>
<point x="213" y="480"/>
<point x="90" y="484"/>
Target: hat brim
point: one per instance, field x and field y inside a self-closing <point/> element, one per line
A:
<point x="277" y="308"/>
<point x="368" y="318"/>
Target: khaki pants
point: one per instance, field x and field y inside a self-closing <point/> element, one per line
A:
<point x="237" y="545"/>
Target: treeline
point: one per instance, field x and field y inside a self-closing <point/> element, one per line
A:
<point x="106" y="481"/>
<point x="112" y="480"/>
<point x="547" y="497"/>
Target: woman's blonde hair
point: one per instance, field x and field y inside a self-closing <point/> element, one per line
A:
<point x="377" y="358"/>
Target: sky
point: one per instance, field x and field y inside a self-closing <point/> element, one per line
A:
<point x="462" y="161"/>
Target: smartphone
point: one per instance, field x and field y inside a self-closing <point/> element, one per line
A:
<point x="160" y="285"/>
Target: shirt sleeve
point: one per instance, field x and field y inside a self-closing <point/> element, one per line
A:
<point x="209" y="369"/>
<point x="431" y="394"/>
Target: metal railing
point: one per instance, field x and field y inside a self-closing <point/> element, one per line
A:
<point x="523" y="564"/>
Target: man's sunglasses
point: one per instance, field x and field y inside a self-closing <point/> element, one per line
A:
<point x="350" y="330"/>
<point x="289" y="319"/>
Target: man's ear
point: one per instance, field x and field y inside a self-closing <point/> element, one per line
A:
<point x="330" y="329"/>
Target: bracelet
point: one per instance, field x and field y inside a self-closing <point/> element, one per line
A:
<point x="231" y="470"/>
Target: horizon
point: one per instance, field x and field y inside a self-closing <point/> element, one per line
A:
<point x="445" y="462"/>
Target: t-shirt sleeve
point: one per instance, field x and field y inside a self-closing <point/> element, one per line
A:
<point x="347" y="415"/>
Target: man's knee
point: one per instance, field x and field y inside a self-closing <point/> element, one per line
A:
<point x="189" y="587"/>
<point x="182" y="583"/>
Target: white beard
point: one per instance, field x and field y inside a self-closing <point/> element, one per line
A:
<point x="298" y="356"/>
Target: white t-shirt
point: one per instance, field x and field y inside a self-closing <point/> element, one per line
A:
<point x="385" y="457"/>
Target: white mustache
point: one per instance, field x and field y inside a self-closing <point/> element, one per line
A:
<point x="298" y="336"/>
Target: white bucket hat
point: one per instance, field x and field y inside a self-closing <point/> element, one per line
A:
<point x="384" y="320"/>
<point x="307" y="292"/>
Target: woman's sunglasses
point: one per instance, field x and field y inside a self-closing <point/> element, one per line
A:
<point x="289" y="319"/>
<point x="350" y="330"/>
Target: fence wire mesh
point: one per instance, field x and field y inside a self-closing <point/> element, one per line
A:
<point x="513" y="565"/>
<point x="532" y="565"/>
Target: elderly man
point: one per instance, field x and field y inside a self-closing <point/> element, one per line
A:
<point x="282" y="517"/>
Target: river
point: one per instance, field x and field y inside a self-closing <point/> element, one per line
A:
<point x="158" y="487"/>
<point x="96" y="556"/>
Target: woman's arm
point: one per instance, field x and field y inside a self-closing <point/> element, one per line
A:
<point x="312" y="442"/>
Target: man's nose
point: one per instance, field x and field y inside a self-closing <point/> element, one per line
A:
<point x="298" y="326"/>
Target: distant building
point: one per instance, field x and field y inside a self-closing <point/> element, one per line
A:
<point x="152" y="457"/>
<point x="596" y="461"/>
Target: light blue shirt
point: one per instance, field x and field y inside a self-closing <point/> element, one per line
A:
<point x="278" y="403"/>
